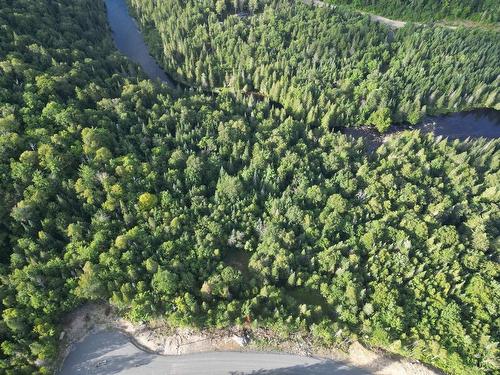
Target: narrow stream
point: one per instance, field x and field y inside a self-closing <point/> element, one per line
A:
<point x="461" y="125"/>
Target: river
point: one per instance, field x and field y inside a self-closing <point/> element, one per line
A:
<point x="479" y="123"/>
<point x="111" y="352"/>
<point x="129" y="41"/>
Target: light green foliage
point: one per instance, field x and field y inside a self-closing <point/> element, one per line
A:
<point x="89" y="285"/>
<point x="147" y="201"/>
<point x="381" y="119"/>
<point x="164" y="283"/>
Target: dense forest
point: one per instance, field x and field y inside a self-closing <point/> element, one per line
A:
<point x="224" y="209"/>
<point x="482" y="11"/>
<point x="325" y="66"/>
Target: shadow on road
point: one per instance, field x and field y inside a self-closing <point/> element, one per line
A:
<point x="95" y="357"/>
<point x="323" y="368"/>
<point x="118" y="363"/>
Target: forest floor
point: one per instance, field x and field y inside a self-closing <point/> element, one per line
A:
<point x="158" y="338"/>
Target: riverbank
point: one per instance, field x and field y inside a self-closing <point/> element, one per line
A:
<point x="160" y="339"/>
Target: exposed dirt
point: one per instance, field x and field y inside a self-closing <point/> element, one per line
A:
<point x="395" y="24"/>
<point x="157" y="337"/>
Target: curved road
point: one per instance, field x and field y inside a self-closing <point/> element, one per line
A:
<point x="111" y="352"/>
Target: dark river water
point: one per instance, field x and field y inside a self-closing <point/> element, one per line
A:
<point x="461" y="125"/>
<point x="130" y="42"/>
<point x="479" y="123"/>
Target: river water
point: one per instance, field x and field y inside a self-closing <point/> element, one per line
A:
<point x="479" y="123"/>
<point x="129" y="41"/>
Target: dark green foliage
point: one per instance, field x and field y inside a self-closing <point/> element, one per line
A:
<point x="326" y="66"/>
<point x="211" y="210"/>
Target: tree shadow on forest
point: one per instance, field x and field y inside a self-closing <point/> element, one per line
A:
<point x="239" y="259"/>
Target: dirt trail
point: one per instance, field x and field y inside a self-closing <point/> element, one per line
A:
<point x="158" y="338"/>
<point x="393" y="24"/>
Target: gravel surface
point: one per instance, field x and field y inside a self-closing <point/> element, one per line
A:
<point x="111" y="352"/>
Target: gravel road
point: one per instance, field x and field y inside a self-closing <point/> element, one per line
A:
<point x="110" y="352"/>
